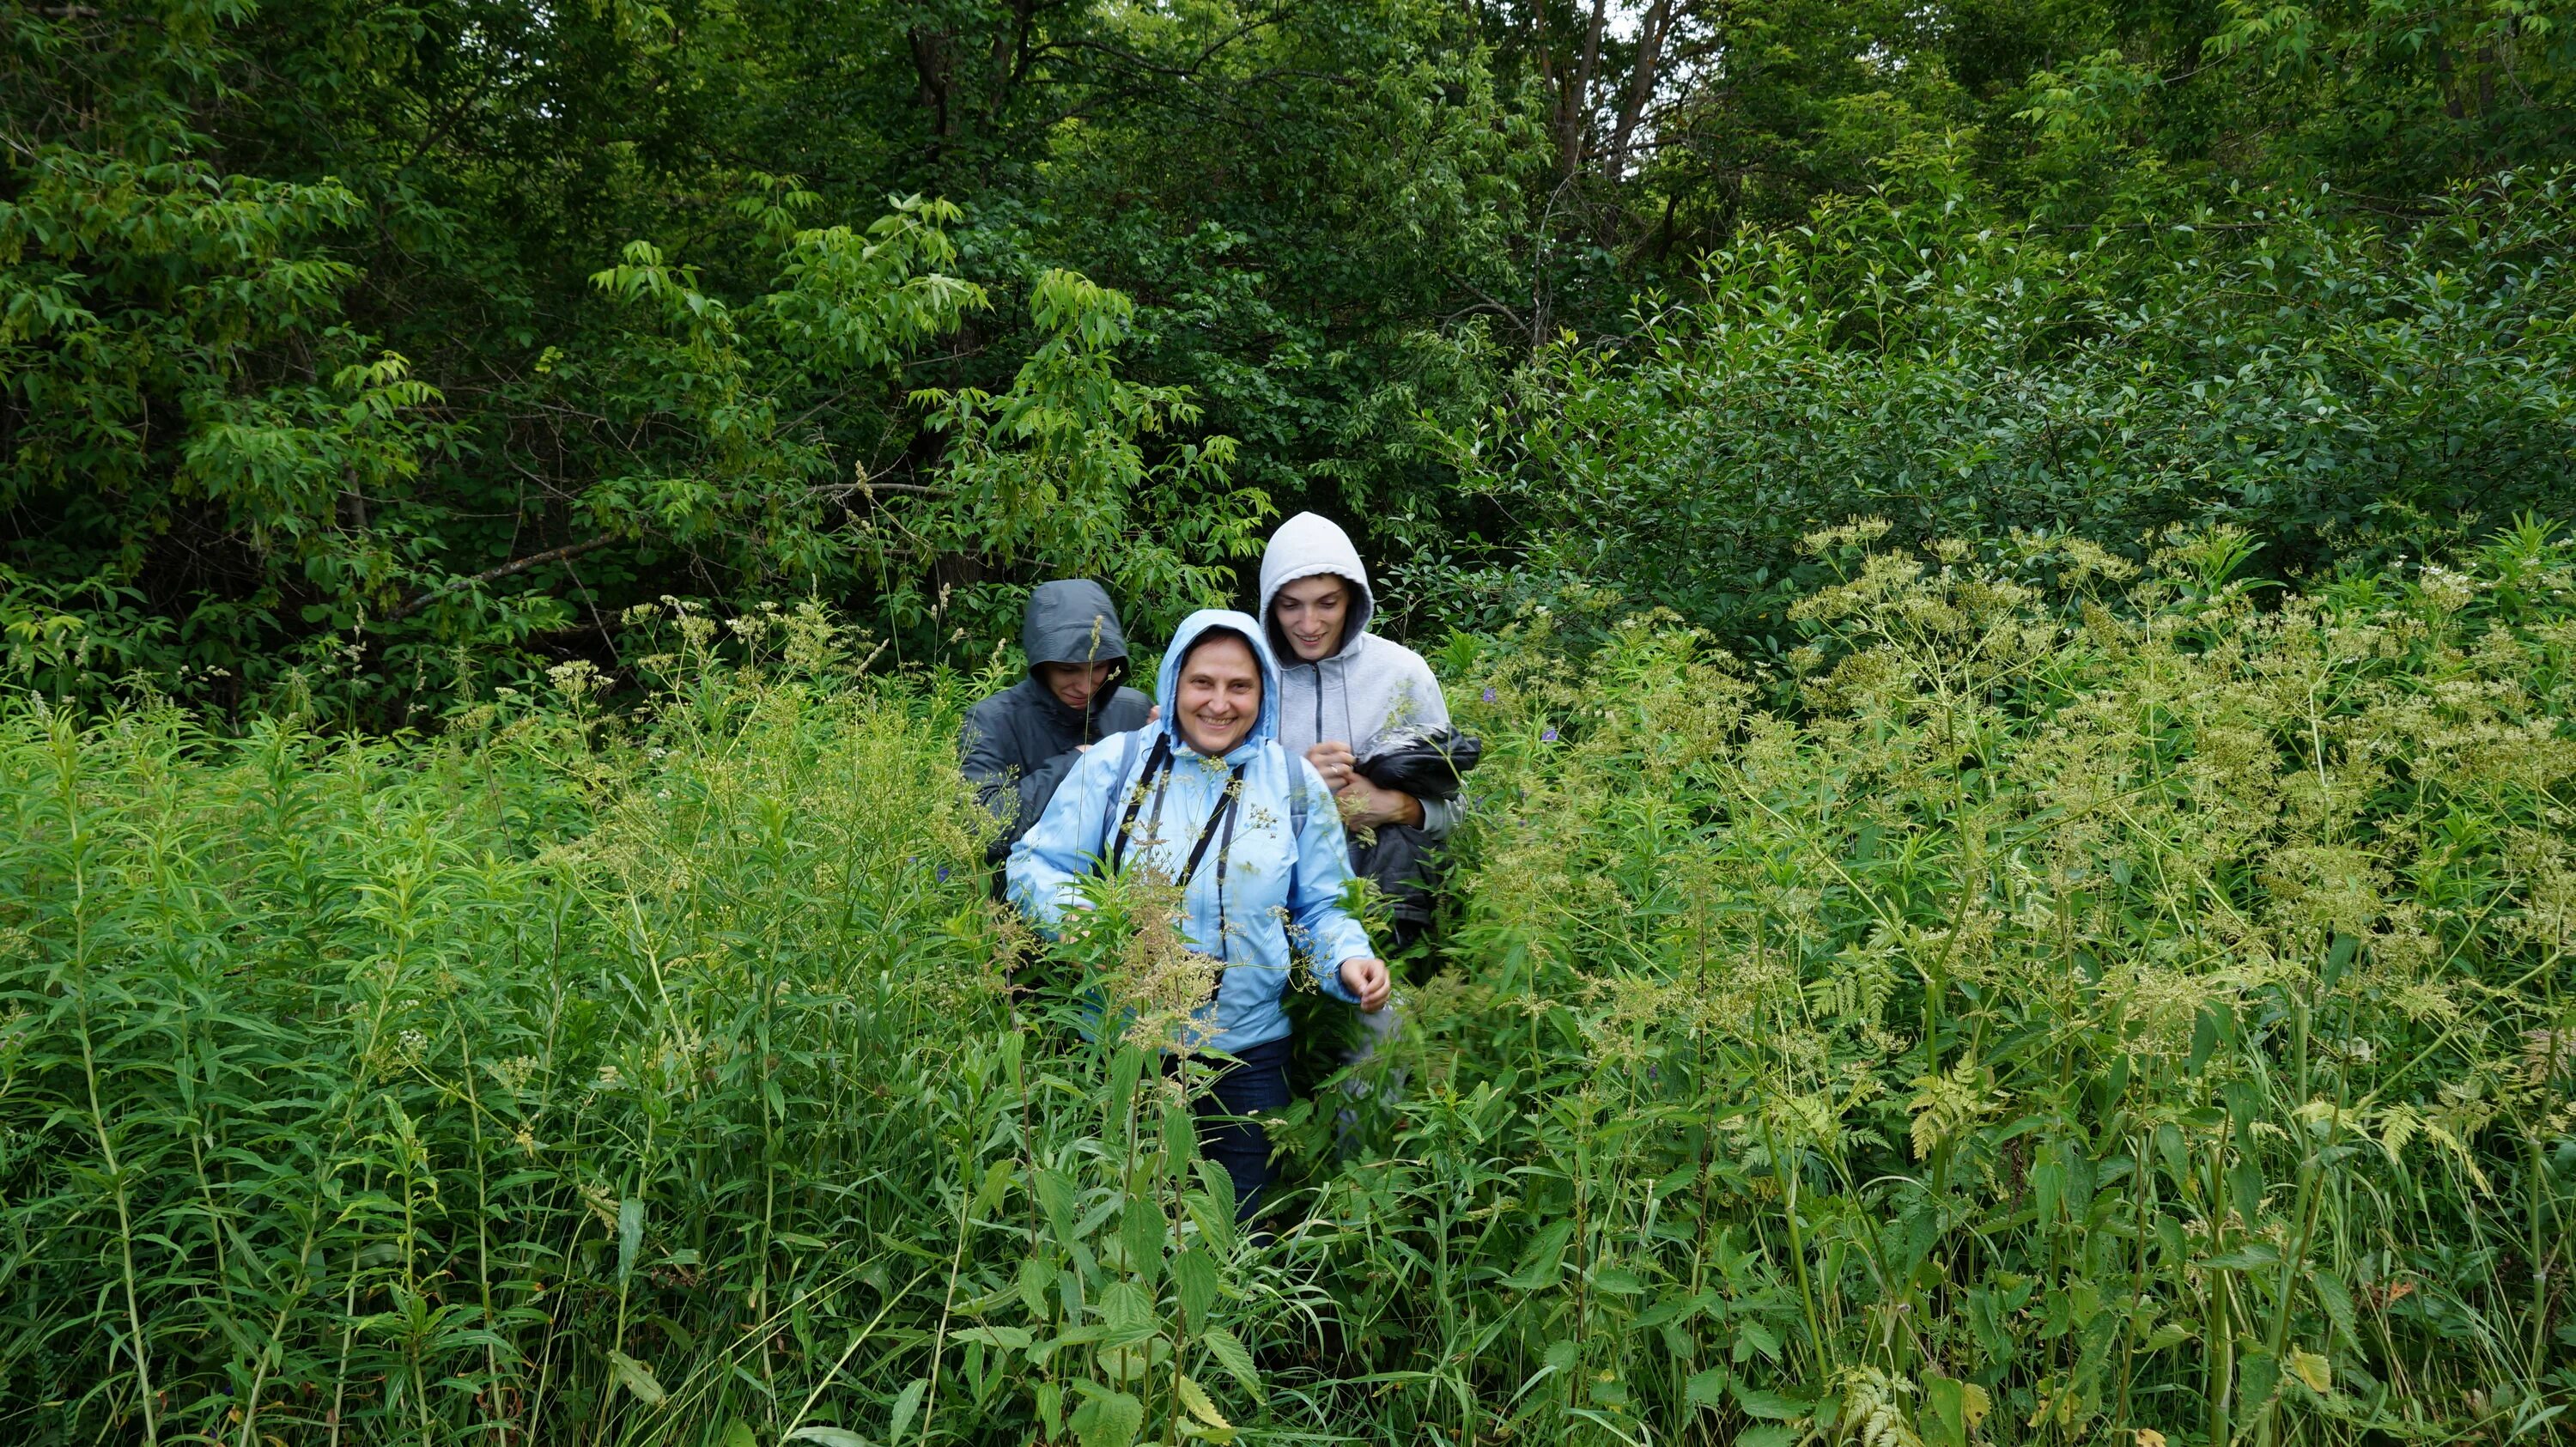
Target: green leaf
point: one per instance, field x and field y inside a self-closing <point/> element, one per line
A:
<point x="1213" y="1205"/>
<point x="630" y="1235"/>
<point x="2336" y="1298"/>
<point x="1707" y="1389"/>
<point x="1032" y="1284"/>
<point x="1675" y="1309"/>
<point x="1767" y="1436"/>
<point x="1763" y="1339"/>
<point x="1051" y="1408"/>
<point x="1771" y="1405"/>
<point x="1017" y="1338"/>
<point x="906" y="1403"/>
<point x="738" y="1433"/>
<point x="1944" y="1417"/>
<point x="1194" y="1281"/>
<point x="1115" y="1419"/>
<point x="1196" y="1399"/>
<point x="1228" y="1349"/>
<point x="637" y="1378"/>
<point x="1141" y="1230"/>
<point x="997" y="1179"/>
<point x="2258" y="1376"/>
<point x="1055" y="1198"/>
<point x="827" y="1436"/>
<point x="1125" y="1307"/>
<point x="1539" y="1265"/>
<point x="2165" y="1335"/>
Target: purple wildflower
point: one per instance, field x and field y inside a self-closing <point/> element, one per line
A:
<point x="943" y="874"/>
<point x="1547" y="737"/>
<point x="1489" y="694"/>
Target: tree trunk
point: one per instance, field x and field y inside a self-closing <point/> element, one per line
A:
<point x="1574" y="106"/>
<point x="1641" y="83"/>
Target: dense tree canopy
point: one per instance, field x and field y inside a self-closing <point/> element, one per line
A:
<point x="345" y="343"/>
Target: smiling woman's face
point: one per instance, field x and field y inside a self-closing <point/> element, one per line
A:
<point x="1219" y="698"/>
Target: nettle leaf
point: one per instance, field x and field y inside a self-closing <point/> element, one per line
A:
<point x="1771" y="1406"/>
<point x="2337" y="1300"/>
<point x="2165" y="1335"/>
<point x="1032" y="1281"/>
<point x="1196" y="1399"/>
<point x="1124" y="1307"/>
<point x="1141" y="1229"/>
<point x="997" y="1179"/>
<point x="1762" y="1339"/>
<point x="1230" y="1353"/>
<point x="1617" y="1281"/>
<point x="1194" y="1281"/>
<point x="1108" y="1419"/>
<point x="1051" y="1407"/>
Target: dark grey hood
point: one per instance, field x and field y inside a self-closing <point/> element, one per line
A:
<point x="1020" y="743"/>
<point x="1071" y="620"/>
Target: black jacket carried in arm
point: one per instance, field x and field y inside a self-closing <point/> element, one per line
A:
<point x="1403" y="858"/>
<point x="1020" y="743"/>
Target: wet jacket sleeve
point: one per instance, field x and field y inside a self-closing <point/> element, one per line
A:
<point x="1015" y="797"/>
<point x="1049" y="861"/>
<point x="1324" y="926"/>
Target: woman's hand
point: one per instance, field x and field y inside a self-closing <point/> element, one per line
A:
<point x="1367" y="979"/>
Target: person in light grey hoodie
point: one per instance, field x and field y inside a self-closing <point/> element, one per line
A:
<point x="1348" y="694"/>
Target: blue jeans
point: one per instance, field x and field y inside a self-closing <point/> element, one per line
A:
<point x="1256" y="1085"/>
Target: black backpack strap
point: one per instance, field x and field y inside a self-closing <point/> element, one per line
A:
<point x="1114" y="848"/>
<point x="1109" y="803"/>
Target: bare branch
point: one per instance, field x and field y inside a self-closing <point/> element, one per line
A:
<point x="489" y="575"/>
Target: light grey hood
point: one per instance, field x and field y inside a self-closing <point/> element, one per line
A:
<point x="1373" y="691"/>
<point x="1305" y="546"/>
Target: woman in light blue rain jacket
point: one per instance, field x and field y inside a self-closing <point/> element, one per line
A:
<point x="1209" y="798"/>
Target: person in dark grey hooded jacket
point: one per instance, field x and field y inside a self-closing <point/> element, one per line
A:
<point x="1020" y="743"/>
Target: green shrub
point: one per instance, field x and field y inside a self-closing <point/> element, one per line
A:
<point x="2101" y="1004"/>
<point x="2074" y="1001"/>
<point x="2344" y="392"/>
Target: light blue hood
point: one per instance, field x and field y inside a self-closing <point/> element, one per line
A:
<point x="1167" y="683"/>
<point x="1267" y="904"/>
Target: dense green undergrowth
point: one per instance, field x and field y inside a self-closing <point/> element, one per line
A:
<point x="2349" y="393"/>
<point x="2073" y="1002"/>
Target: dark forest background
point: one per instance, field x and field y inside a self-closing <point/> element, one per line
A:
<point x="358" y="350"/>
